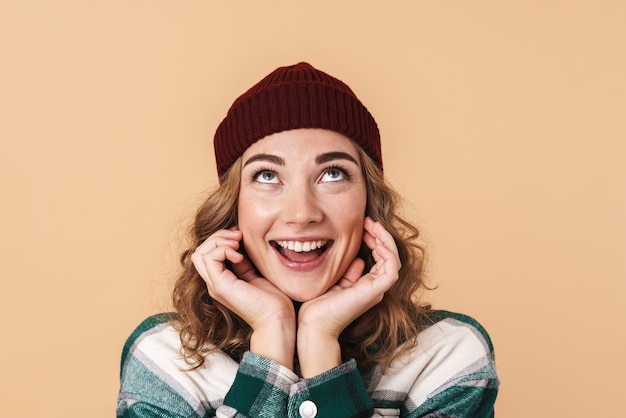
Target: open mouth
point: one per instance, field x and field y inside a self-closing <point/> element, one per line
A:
<point x="301" y="251"/>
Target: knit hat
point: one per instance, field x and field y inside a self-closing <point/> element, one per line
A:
<point x="293" y="97"/>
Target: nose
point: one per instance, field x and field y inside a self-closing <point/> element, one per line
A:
<point x="301" y="205"/>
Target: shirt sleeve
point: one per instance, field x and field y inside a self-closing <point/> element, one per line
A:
<point x="339" y="392"/>
<point x="460" y="370"/>
<point x="155" y="380"/>
<point x="265" y="388"/>
<point x="469" y="396"/>
<point x="261" y="388"/>
<point x="145" y="388"/>
<point x="143" y="394"/>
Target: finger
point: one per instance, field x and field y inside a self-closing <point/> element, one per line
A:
<point x="198" y="263"/>
<point x="222" y="237"/>
<point x="244" y="269"/>
<point x="215" y="260"/>
<point x="220" y="280"/>
<point x="211" y="266"/>
<point x="384" y="250"/>
<point x="375" y="234"/>
<point x="377" y="231"/>
<point x="234" y="234"/>
<point x="353" y="273"/>
<point x="374" y="243"/>
<point x="369" y="236"/>
<point x="388" y="259"/>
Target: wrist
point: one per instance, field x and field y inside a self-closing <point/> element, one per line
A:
<point x="318" y="352"/>
<point x="275" y="342"/>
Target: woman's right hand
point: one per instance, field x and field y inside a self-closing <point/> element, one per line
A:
<point x="268" y="311"/>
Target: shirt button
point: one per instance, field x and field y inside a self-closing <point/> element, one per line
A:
<point x="308" y="409"/>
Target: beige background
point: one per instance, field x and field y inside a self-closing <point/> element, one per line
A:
<point x="503" y="125"/>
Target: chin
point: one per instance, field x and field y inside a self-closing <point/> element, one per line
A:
<point x="304" y="296"/>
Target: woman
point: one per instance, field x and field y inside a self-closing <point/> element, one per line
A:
<point x="297" y="296"/>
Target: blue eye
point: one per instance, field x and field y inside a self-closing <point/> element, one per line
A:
<point x="265" y="176"/>
<point x="334" y="174"/>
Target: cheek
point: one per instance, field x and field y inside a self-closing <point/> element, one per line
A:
<point x="356" y="236"/>
<point x="254" y="220"/>
<point x="350" y="218"/>
<point x="251" y="211"/>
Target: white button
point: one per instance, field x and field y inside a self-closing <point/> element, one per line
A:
<point x="308" y="409"/>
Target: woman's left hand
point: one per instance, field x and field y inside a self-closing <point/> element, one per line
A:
<point x="321" y="320"/>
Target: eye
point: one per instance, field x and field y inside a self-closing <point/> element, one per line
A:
<point x="265" y="176"/>
<point x="332" y="174"/>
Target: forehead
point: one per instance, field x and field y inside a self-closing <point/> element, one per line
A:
<point x="302" y="143"/>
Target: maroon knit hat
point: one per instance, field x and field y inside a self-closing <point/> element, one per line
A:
<point x="298" y="96"/>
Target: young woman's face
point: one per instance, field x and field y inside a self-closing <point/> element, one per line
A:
<point x="301" y="209"/>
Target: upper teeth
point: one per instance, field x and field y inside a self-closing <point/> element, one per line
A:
<point x="300" y="246"/>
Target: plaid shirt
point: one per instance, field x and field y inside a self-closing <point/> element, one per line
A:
<point x="450" y="374"/>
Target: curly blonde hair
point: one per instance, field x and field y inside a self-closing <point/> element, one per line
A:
<point x="383" y="333"/>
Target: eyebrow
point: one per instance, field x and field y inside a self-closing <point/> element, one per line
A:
<point x="337" y="155"/>
<point x="265" y="157"/>
<point x="320" y="159"/>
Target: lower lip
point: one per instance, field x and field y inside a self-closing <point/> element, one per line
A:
<point x="297" y="266"/>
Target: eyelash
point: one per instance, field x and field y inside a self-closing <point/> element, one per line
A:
<point x="339" y="167"/>
<point x="342" y="169"/>
<point x="255" y="175"/>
